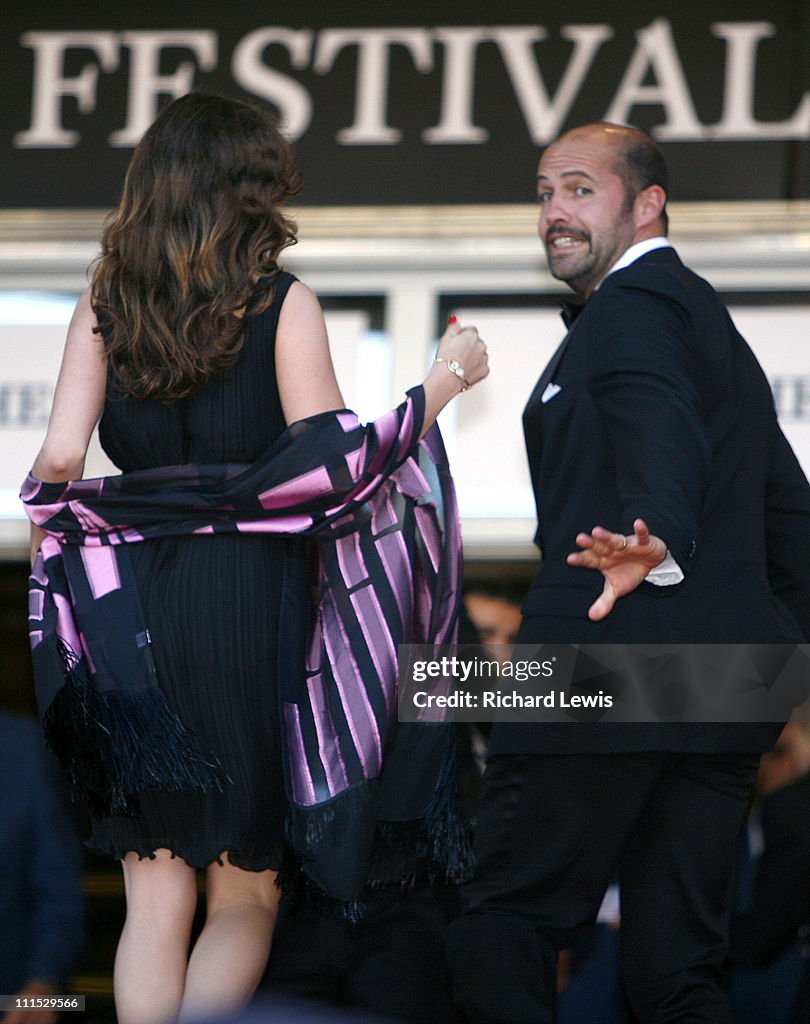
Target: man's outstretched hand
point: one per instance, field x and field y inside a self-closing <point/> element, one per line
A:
<point x="623" y="561"/>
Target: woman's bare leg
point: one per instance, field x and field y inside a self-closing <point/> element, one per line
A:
<point x="230" y="956"/>
<point x="150" y="964"/>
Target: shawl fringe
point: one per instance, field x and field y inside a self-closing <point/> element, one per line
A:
<point x="114" y="744"/>
<point x="435" y="847"/>
<point x="439" y="843"/>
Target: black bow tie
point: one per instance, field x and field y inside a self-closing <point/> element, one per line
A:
<point x="569" y="311"/>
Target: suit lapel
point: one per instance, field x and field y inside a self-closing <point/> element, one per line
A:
<point x="547" y="376"/>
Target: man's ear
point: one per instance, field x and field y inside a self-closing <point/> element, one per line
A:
<point x="649" y="205"/>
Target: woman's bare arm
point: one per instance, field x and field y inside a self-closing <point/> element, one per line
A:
<point x="306" y="377"/>
<point x="77" y="404"/>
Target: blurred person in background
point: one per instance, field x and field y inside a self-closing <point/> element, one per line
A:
<point x="493" y="607"/>
<point x="770" y="927"/>
<point x="41" y="902"/>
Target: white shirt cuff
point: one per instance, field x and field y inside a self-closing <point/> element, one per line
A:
<point x="667" y="573"/>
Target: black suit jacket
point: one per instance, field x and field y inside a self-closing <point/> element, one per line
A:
<point x="658" y="408"/>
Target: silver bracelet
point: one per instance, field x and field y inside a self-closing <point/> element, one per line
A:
<point x="456" y="369"/>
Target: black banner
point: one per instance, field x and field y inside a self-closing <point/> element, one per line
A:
<point x="428" y="104"/>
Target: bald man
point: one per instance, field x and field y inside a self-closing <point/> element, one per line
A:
<point x="671" y="510"/>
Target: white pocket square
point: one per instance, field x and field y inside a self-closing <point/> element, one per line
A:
<point x="550" y="392"/>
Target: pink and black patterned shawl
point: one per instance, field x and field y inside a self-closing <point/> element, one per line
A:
<point x="370" y="798"/>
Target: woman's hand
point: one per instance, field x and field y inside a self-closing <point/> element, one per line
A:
<point x="461" y="362"/>
<point x="467" y="349"/>
<point x="623" y="561"/>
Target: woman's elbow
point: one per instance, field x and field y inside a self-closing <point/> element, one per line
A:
<point x="56" y="465"/>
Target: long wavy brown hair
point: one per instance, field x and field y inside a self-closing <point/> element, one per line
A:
<point x="191" y="250"/>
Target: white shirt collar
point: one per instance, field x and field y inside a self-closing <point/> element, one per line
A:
<point x="635" y="251"/>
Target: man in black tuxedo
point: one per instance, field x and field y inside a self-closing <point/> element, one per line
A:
<point x="654" y="419"/>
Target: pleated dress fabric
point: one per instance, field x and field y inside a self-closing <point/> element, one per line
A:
<point x="211" y="604"/>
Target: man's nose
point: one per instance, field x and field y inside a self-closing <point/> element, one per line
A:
<point x="553" y="217"/>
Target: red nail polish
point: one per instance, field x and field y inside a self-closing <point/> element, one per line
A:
<point x="452" y="319"/>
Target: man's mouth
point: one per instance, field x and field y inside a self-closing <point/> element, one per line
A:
<point x="558" y="241"/>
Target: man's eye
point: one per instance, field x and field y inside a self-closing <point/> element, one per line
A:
<point x="582" y="190"/>
<point x="543" y="197"/>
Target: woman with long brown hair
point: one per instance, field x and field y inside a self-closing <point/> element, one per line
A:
<point x="194" y="347"/>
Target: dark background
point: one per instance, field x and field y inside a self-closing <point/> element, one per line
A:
<point x="500" y="170"/>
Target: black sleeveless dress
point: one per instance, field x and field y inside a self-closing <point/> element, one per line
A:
<point x="211" y="604"/>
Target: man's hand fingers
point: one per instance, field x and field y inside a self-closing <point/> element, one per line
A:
<point x="585" y="559"/>
<point x="603" y="605"/>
